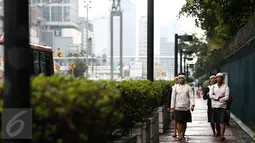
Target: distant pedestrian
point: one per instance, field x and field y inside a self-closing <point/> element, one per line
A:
<point x="219" y="93"/>
<point x="212" y="81"/>
<point x="173" y="113"/>
<point x="181" y="103"/>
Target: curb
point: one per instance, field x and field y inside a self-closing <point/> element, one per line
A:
<point x="243" y="126"/>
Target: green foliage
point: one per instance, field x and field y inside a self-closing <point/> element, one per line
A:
<point x="202" y="79"/>
<point x="80" y="68"/>
<point x="79" y="110"/>
<point x="205" y="83"/>
<point x="220" y="19"/>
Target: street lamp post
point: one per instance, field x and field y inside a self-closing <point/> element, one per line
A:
<point x="184" y="38"/>
<point x="87" y="35"/>
<point x="150" y="40"/>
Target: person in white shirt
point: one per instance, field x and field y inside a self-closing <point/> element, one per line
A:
<point x="181" y="103"/>
<point x="219" y="94"/>
<point x="168" y="109"/>
<point x="212" y="81"/>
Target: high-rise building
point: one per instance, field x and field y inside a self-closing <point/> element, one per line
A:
<point x="142" y="48"/>
<point x="129" y="27"/>
<point x="58" y="21"/>
<point x="102" y="35"/>
<point x="90" y="40"/>
<point x="167" y="50"/>
<point x="129" y="30"/>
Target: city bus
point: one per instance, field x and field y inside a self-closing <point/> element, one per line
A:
<point x="42" y="59"/>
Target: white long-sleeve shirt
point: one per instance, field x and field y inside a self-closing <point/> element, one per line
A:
<point x="182" y="97"/>
<point x="215" y="92"/>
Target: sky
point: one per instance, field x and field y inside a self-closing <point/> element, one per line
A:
<point x="165" y="11"/>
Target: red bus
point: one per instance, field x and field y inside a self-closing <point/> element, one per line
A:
<point x="42" y="59"/>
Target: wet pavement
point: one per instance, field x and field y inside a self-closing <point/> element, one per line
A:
<point x="199" y="131"/>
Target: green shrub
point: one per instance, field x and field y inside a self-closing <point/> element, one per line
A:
<point x="72" y="110"/>
<point x="205" y="84"/>
<point x="202" y="79"/>
<point x="78" y="110"/>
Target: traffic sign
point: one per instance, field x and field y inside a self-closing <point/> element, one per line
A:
<point x="57" y="67"/>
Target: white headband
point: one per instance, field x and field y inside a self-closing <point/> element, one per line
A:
<point x="213" y="76"/>
<point x="182" y="76"/>
<point x="219" y="74"/>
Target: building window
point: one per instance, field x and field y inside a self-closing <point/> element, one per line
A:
<point x="56" y="13"/>
<point x="55" y="1"/>
<point x="66" y="13"/>
<point x="46" y="13"/>
<point x="66" y="1"/>
<point x="45" y="1"/>
<point x="36" y="1"/>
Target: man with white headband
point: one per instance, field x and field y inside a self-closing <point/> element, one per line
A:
<point x="181" y="103"/>
<point x="219" y="94"/>
<point x="173" y="113"/>
<point x="212" y="81"/>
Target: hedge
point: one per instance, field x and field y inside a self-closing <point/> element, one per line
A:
<point x="78" y="110"/>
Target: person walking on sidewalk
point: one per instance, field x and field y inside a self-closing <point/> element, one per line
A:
<point x="181" y="103"/>
<point x="219" y="93"/>
<point x="173" y="113"/>
<point x="212" y="81"/>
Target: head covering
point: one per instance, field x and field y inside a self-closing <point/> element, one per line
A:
<point x="212" y="76"/>
<point x="219" y="74"/>
<point x="182" y="76"/>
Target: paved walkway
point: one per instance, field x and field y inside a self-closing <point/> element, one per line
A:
<point x="199" y="131"/>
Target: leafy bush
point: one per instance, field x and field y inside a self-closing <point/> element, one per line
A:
<point x="205" y="83"/>
<point x="202" y="79"/>
<point x="78" y="110"/>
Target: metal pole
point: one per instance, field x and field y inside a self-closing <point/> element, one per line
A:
<point x="180" y="60"/>
<point x="121" y="45"/>
<point x="187" y="71"/>
<point x="87" y="40"/>
<point x="176" y="55"/>
<point x="17" y="60"/>
<point x="150" y="41"/>
<point x="111" y="32"/>
<point x="184" y="63"/>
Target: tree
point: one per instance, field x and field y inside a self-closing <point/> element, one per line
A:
<point x="80" y="68"/>
<point x="199" y="48"/>
<point x="221" y="19"/>
<point x="80" y="65"/>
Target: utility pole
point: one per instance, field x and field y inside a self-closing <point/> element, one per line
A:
<point x="17" y="59"/>
<point x="150" y="41"/>
<point x="175" y="55"/>
<point x="87" y="37"/>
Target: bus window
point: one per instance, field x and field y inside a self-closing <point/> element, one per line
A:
<point x="36" y="62"/>
<point x="48" y="63"/>
<point x="43" y="63"/>
<point x="1" y="51"/>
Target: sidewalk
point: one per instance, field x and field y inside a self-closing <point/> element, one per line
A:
<point x="199" y="131"/>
